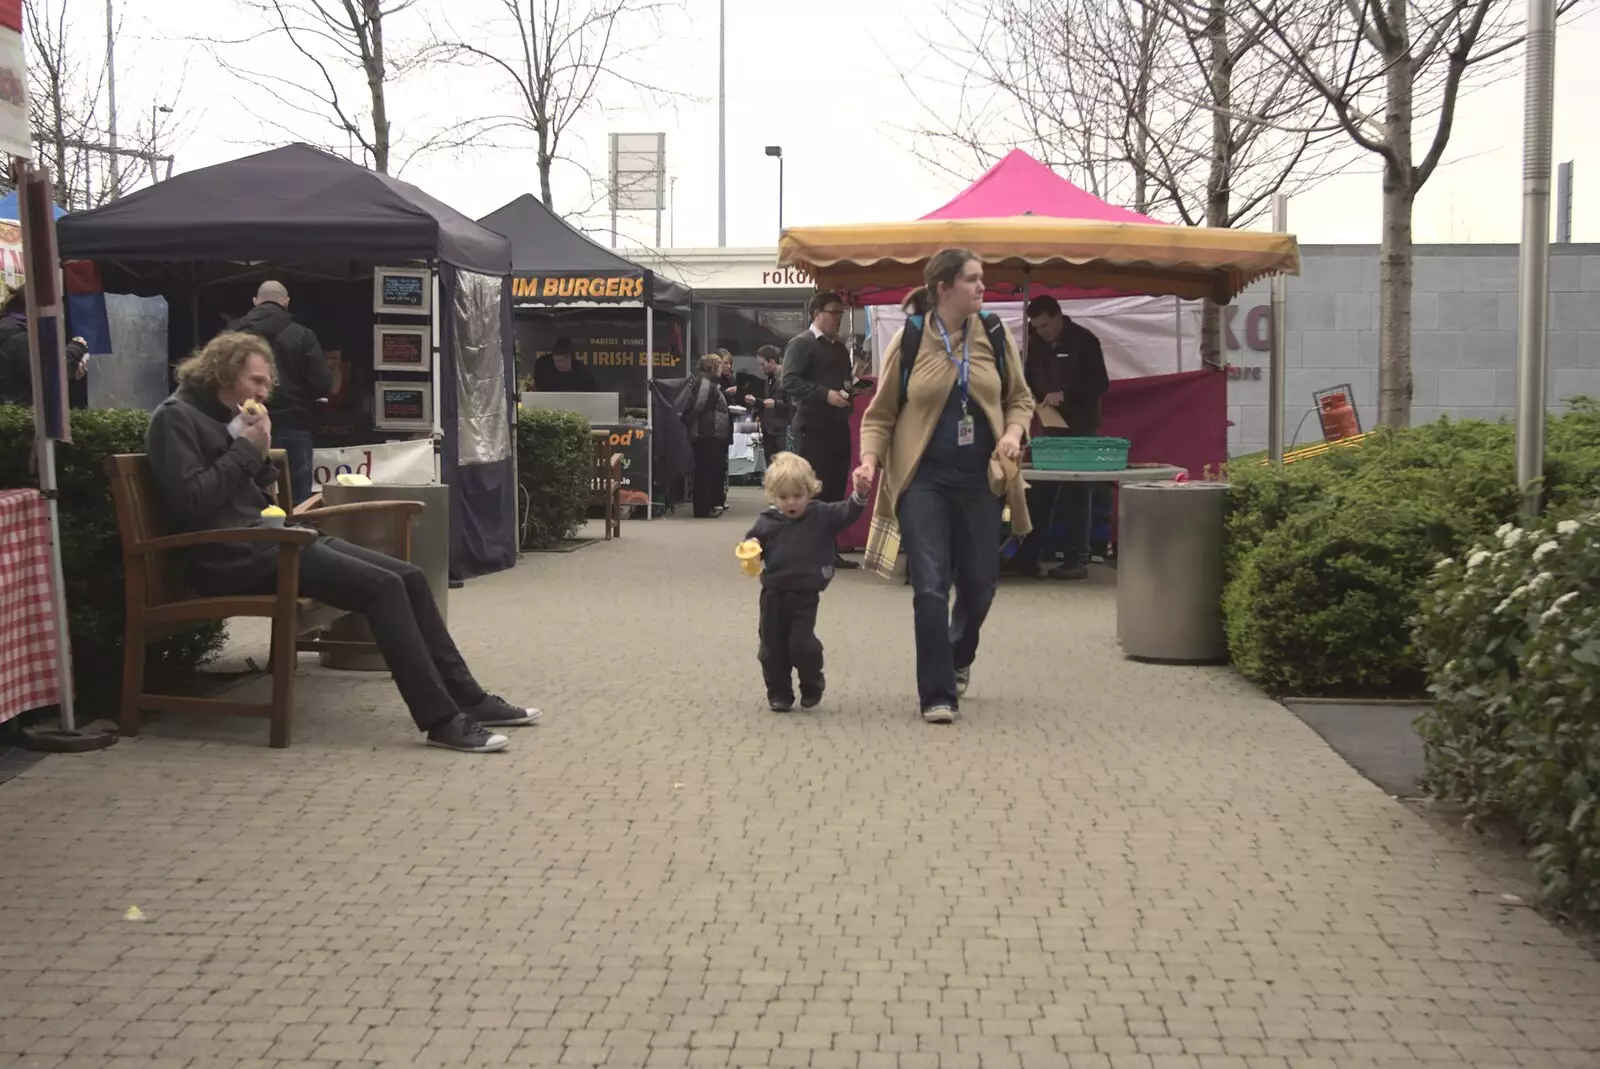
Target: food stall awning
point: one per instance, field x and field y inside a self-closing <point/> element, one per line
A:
<point x="1188" y="262"/>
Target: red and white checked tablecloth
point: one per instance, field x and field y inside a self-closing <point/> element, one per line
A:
<point x="27" y="616"/>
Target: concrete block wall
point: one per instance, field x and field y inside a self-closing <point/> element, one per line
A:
<point x="1464" y="336"/>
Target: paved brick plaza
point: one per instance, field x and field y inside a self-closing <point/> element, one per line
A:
<point x="1104" y="865"/>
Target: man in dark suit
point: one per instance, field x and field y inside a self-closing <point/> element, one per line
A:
<point x="772" y="405"/>
<point x="1066" y="370"/>
<point x="817" y="377"/>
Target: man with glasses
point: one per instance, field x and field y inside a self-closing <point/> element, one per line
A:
<point x="1066" y="369"/>
<point x="817" y="377"/>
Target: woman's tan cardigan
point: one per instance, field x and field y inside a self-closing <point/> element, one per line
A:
<point x="897" y="436"/>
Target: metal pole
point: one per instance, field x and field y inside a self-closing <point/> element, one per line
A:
<point x="650" y="400"/>
<point x="1564" y="203"/>
<point x="780" y="196"/>
<point x="1534" y="276"/>
<point x="722" y="123"/>
<point x="1277" y="360"/>
<point x="672" y="222"/>
<point x="111" y="100"/>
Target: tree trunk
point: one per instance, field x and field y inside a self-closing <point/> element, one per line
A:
<point x="545" y="161"/>
<point x="1399" y="192"/>
<point x="375" y="80"/>
<point x="1218" y="181"/>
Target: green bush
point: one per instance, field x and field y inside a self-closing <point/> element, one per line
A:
<point x="1317" y="605"/>
<point x="1510" y="633"/>
<point x="555" y="467"/>
<point x="1447" y="482"/>
<point x="91" y="553"/>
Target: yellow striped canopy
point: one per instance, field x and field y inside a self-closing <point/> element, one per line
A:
<point x="1182" y="261"/>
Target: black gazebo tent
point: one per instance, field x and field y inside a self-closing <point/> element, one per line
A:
<point x="553" y="263"/>
<point x="302" y="210"/>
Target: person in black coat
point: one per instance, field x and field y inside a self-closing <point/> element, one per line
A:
<point x="709" y="430"/>
<point x="772" y="405"/>
<point x="304" y="380"/>
<point x="16" y="358"/>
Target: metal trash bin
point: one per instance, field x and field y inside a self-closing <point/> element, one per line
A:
<point x="430" y="551"/>
<point x="1169" y="572"/>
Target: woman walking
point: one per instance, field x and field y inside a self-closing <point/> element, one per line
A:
<point x="931" y="430"/>
<point x="709" y="427"/>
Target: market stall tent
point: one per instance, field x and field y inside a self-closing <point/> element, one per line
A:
<point x="303" y="210"/>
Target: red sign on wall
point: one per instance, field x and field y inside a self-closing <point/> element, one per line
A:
<point x="11" y="15"/>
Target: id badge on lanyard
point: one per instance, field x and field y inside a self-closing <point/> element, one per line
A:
<point x="966" y="432"/>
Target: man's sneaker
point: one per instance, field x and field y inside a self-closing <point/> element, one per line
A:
<point x="780" y="705"/>
<point x="939" y="714"/>
<point x="465" y="734"/>
<point x="495" y="712"/>
<point x="1069" y="572"/>
<point x="963" y="677"/>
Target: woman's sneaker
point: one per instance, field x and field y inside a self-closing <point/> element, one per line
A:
<point x="465" y="734"/>
<point x="939" y="714"/>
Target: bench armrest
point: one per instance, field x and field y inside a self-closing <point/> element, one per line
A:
<point x="286" y="536"/>
<point x="403" y="508"/>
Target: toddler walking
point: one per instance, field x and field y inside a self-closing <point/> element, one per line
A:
<point x="793" y="543"/>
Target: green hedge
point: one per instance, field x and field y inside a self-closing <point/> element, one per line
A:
<point x="91" y="553"/>
<point x="1327" y="558"/>
<point x="1510" y="633"/>
<point x="555" y="467"/>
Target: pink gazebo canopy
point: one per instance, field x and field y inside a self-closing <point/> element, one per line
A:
<point x="1021" y="185"/>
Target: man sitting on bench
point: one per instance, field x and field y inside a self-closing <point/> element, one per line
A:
<point x="207" y="447"/>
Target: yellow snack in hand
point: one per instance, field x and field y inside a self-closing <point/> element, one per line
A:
<point x="252" y="407"/>
<point x="749" y="554"/>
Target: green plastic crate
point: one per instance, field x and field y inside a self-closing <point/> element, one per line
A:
<point x="1080" y="454"/>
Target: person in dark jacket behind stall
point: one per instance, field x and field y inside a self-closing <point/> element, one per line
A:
<point x="558" y="371"/>
<point x="303" y="379"/>
<point x="797" y="538"/>
<point x="1066" y="370"/>
<point x="16" y="359"/>
<point x="817" y="375"/>
<point x="708" y="421"/>
<point x="207" y="448"/>
<point x="773" y="404"/>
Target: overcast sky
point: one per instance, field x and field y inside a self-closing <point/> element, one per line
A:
<point x="819" y="78"/>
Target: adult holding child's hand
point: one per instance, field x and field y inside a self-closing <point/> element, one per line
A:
<point x="951" y="396"/>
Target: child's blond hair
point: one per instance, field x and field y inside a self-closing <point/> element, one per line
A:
<point x="790" y="471"/>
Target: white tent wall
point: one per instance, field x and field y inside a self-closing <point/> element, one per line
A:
<point x="1140" y="335"/>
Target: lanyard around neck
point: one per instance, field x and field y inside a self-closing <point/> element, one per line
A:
<point x="964" y="365"/>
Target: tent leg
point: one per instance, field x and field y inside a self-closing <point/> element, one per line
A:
<point x="650" y="409"/>
<point x="58" y="598"/>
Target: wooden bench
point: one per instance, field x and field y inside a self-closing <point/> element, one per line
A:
<point x="160" y="603"/>
<point x="606" y="483"/>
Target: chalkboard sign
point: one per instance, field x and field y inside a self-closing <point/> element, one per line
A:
<point x="397" y="348"/>
<point x="403" y="406"/>
<point x="402" y="291"/>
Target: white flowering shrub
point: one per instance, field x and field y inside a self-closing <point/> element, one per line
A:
<point x="1510" y="636"/>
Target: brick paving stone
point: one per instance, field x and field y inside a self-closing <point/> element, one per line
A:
<point x="1103" y="864"/>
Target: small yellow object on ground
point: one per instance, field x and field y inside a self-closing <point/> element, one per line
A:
<point x="134" y="914"/>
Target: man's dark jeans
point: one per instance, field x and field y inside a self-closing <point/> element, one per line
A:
<point x="395" y="598"/>
<point x="297" y="443"/>
<point x="789" y="643"/>
<point x="950" y="537"/>
<point x="1073" y="501"/>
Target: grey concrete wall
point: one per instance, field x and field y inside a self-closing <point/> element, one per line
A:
<point x="1464" y="331"/>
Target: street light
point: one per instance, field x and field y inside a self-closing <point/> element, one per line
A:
<point x="776" y="152"/>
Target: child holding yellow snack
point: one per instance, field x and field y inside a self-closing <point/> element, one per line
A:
<point x="791" y="547"/>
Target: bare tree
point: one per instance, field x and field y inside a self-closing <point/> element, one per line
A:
<point x="1399" y="70"/>
<point x="1173" y="107"/>
<point x="346" y="59"/>
<point x="557" y="56"/>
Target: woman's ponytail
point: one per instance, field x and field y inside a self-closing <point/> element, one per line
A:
<point x="919" y="302"/>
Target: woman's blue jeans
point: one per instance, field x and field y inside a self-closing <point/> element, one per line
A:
<point x="951" y="537"/>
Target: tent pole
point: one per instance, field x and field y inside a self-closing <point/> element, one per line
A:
<point x="650" y="402"/>
<point x="438" y="351"/>
<point x="1177" y="329"/>
<point x="1277" y="358"/>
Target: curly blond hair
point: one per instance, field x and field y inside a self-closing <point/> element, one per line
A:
<point x="219" y="365"/>
<point x="790" y="472"/>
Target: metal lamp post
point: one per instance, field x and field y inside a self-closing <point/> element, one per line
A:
<point x="776" y="152"/>
<point x="1534" y="283"/>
